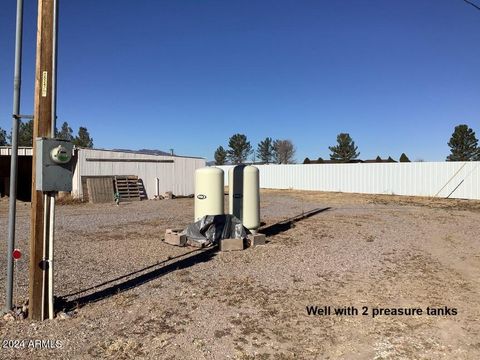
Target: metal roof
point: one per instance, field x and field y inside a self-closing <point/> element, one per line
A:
<point x="28" y="151"/>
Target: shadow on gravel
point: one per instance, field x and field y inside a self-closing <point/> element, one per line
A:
<point x="137" y="278"/>
<point x="287" y="224"/>
<point x="156" y="271"/>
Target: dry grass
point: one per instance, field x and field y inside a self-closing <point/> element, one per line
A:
<point x="68" y="200"/>
<point x="356" y="198"/>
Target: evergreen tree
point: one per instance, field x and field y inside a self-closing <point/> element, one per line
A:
<point x="239" y="150"/>
<point x="66" y="132"/>
<point x="83" y="138"/>
<point x="463" y="144"/>
<point x="265" y="150"/>
<point x="220" y="156"/>
<point x="345" y="150"/>
<point x="306" y="161"/>
<point x="404" y="158"/>
<point x="25" y="133"/>
<point x="3" y="137"/>
<point x="283" y="152"/>
<point x="378" y="159"/>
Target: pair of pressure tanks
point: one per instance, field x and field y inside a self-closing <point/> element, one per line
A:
<point x="243" y="194"/>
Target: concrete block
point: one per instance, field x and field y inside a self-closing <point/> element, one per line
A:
<point x="231" y="244"/>
<point x="194" y="243"/>
<point x="255" y="239"/>
<point x="173" y="237"/>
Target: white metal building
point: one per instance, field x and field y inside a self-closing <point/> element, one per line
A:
<point x="158" y="173"/>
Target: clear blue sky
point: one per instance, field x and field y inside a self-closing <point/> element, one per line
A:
<point x="187" y="74"/>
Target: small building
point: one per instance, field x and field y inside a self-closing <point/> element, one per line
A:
<point x="156" y="173"/>
<point x="24" y="166"/>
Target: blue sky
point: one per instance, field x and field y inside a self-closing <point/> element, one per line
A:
<point x="187" y="74"/>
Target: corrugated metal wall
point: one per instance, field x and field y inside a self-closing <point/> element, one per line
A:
<point x="177" y="177"/>
<point x="454" y="179"/>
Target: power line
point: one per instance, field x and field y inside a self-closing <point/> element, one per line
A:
<point x="474" y="5"/>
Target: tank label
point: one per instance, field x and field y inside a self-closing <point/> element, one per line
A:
<point x="237" y="196"/>
<point x="201" y="197"/>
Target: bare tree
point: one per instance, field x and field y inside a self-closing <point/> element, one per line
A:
<point x="284" y="151"/>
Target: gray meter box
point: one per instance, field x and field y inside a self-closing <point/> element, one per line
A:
<point x="54" y="164"/>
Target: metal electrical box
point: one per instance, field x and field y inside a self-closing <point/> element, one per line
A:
<point x="54" y="164"/>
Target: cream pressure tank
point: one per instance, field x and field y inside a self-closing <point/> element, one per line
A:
<point x="251" y="198"/>
<point x="244" y="195"/>
<point x="209" y="192"/>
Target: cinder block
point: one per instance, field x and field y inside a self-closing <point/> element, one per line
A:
<point x="255" y="239"/>
<point x="173" y="237"/>
<point x="231" y="244"/>
<point x="173" y="231"/>
<point x="194" y="243"/>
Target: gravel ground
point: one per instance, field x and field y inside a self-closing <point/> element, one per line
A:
<point x="135" y="297"/>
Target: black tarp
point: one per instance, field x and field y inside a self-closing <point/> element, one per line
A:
<point x="210" y="229"/>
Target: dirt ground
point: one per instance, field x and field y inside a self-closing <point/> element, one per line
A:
<point x="133" y="296"/>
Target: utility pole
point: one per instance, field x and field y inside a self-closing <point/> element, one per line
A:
<point x="42" y="127"/>
<point x="17" y="80"/>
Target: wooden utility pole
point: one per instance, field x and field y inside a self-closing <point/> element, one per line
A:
<point x="41" y="128"/>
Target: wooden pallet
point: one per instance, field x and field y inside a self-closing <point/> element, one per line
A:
<point x="127" y="187"/>
<point x="141" y="189"/>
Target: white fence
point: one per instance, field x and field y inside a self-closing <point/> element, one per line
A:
<point x="459" y="180"/>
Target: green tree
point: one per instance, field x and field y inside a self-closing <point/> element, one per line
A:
<point x="3" y="137"/>
<point x="345" y="150"/>
<point x="265" y="150"/>
<point x="25" y="133"/>
<point x="220" y="156"/>
<point x="83" y="138"/>
<point x="463" y="144"/>
<point x="283" y="151"/>
<point x="307" y="161"/>
<point x="239" y="150"/>
<point x="65" y="132"/>
<point x="404" y="158"/>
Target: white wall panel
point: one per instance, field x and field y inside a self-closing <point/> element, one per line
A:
<point x="454" y="179"/>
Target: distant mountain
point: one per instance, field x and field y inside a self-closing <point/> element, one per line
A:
<point x="145" y="151"/>
<point x="153" y="152"/>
